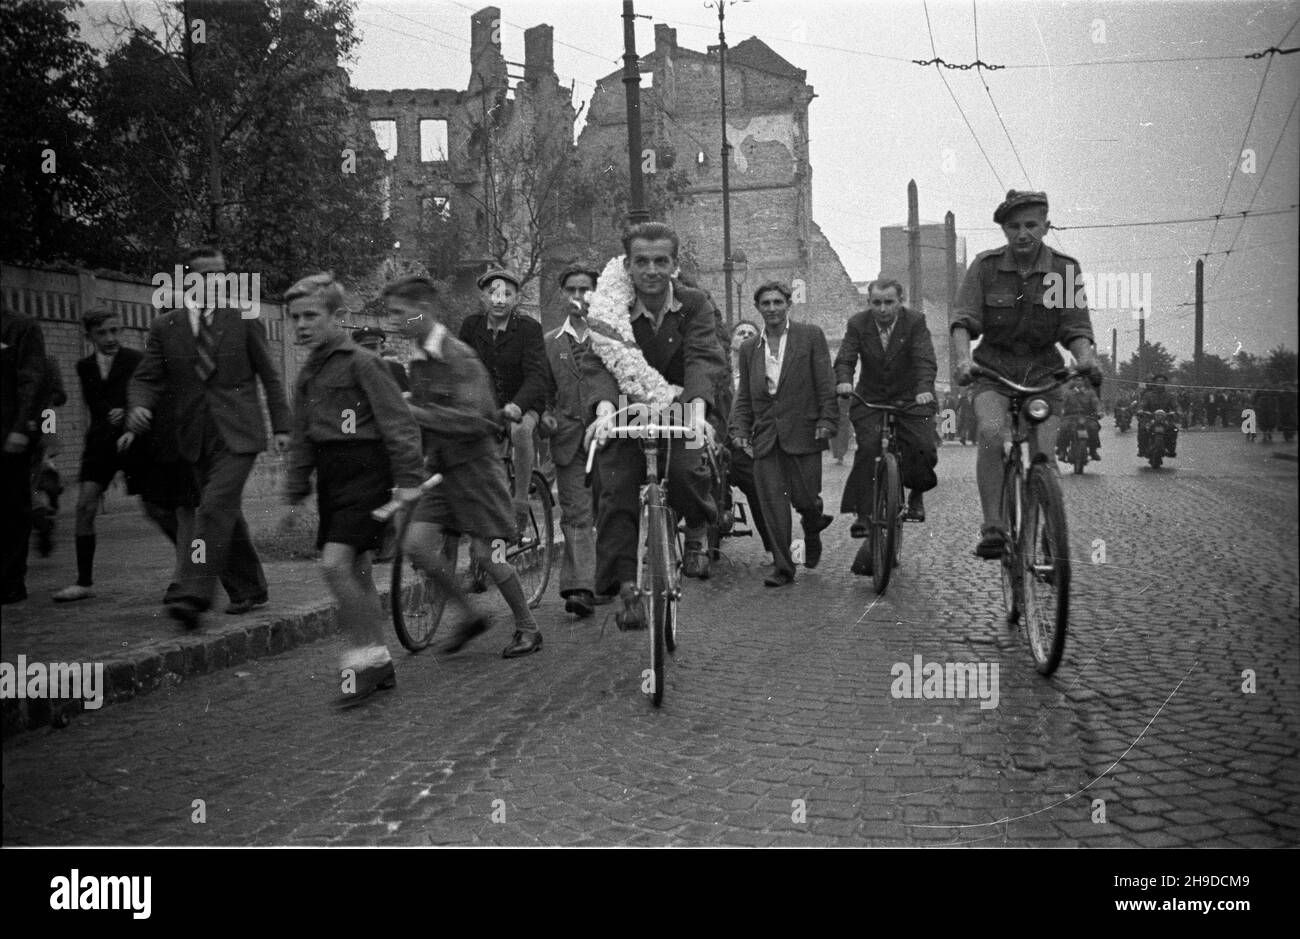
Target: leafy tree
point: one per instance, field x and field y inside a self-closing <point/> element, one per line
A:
<point x="47" y="175"/>
<point x="1215" y="371"/>
<point x="1152" y="358"/>
<point x="1279" y="367"/>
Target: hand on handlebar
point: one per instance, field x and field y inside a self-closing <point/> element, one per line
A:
<point x="844" y="389"/>
<point x="512" y="413"/>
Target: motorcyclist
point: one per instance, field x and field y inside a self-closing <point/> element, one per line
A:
<point x="1080" y="399"/>
<point x="1157" y="397"/>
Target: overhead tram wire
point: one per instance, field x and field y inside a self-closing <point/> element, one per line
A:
<point x="944" y="78"/>
<point x="980" y="72"/>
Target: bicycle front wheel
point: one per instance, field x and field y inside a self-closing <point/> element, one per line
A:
<point x="1045" y="568"/>
<point x="533" y="555"/>
<point x="418" y="598"/>
<point x="662" y="584"/>
<point x="1010" y="514"/>
<point x="884" y="521"/>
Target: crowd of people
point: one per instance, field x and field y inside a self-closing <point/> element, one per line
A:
<point x="183" y="422"/>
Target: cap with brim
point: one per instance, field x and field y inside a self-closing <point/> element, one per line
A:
<point x="368" y="332"/>
<point x="498" y="274"/>
<point x="1017" y="199"/>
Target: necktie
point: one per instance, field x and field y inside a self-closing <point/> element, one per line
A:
<point x="205" y="345"/>
<point x="884" y="336"/>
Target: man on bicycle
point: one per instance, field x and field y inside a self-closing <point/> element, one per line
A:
<point x="1157" y="397"/>
<point x="675" y="328"/>
<point x="1080" y="401"/>
<point x="512" y="348"/>
<point x="1020" y="300"/>
<point x="898" y="367"/>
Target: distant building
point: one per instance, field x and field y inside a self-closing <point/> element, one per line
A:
<point x="935" y="300"/>
<point x="770" y="174"/>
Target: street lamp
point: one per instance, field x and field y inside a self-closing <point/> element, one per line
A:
<point x="727" y="262"/>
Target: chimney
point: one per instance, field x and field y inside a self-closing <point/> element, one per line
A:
<point x="665" y="39"/>
<point x="487" y="66"/>
<point x="539" y="53"/>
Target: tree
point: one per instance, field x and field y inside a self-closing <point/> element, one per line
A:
<point x="234" y="125"/>
<point x="1152" y="358"/>
<point x="1279" y="367"/>
<point x="601" y="198"/>
<point x="47" y="174"/>
<point x="1215" y="372"/>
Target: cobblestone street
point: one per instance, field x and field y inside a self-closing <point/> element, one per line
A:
<point x="778" y="725"/>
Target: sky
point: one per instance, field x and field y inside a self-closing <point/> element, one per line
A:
<point x="1112" y="141"/>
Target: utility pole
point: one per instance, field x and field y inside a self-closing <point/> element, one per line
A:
<point x="950" y="247"/>
<point x="636" y="210"/>
<point x="1114" y="349"/>
<point x="1198" y="348"/>
<point x="728" y="265"/>
<point x="913" y="247"/>
<point x="1142" y="345"/>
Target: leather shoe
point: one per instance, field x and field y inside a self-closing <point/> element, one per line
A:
<point x="915" y="508"/>
<point x="187" y="614"/>
<point x="632" y="616"/>
<point x="696" y="562"/>
<point x="367" y="682"/>
<point x="992" y="543"/>
<point x="524" y="643"/>
<point x="467" y="630"/>
<point x="581" y="603"/>
<point x="244" y="606"/>
<point x="813" y="541"/>
<point x="860" y="528"/>
<point x="778" y="579"/>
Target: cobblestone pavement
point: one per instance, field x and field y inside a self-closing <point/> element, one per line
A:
<point x="1173" y="720"/>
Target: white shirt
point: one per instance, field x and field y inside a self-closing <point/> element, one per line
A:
<point x="568" y="329"/>
<point x="886" y="332"/>
<point x="433" y="342"/>
<point x="194" y="313"/>
<point x="671" y="303"/>
<point x="772" y="364"/>
<point x="105" y="363"/>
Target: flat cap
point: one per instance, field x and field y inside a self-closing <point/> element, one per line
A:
<point x="369" y="332"/>
<point x="1018" y="198"/>
<point x="498" y="273"/>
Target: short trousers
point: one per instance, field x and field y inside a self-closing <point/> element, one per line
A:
<point x="352" y="480"/>
<point x="472" y="499"/>
<point x="101" y="462"/>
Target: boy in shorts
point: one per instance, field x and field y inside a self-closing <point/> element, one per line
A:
<point x="350" y="425"/>
<point x="452" y="400"/>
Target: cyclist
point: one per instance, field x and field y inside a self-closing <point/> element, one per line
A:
<point x="1020" y="300"/>
<point x="1080" y="400"/>
<point x="898" y="365"/>
<point x="513" y="350"/>
<point x="1157" y="398"/>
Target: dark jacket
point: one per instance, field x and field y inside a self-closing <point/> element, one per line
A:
<point x="345" y="394"/>
<point x="804" y="400"/>
<point x="459" y="423"/>
<point x="102" y="395"/>
<point x="899" y="373"/>
<point x="578" y="382"/>
<point x="685" y="350"/>
<point x="166" y="377"/>
<point x="1158" y="399"/>
<point x="22" y="371"/>
<point x="515" y="359"/>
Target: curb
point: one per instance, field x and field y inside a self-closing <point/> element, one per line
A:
<point x="171" y="661"/>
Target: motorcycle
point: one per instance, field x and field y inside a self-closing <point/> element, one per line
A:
<point x="1077" y="452"/>
<point x="1123" y="418"/>
<point x="1161" y="432"/>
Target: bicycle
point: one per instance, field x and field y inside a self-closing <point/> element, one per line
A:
<point x="1036" y="549"/>
<point x="884" y="544"/>
<point x="659" y="556"/>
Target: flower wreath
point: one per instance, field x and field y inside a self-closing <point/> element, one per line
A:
<point x="608" y="309"/>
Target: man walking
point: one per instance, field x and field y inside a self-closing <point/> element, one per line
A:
<point x="204" y="363"/>
<point x="786" y="406"/>
<point x="22" y="370"/>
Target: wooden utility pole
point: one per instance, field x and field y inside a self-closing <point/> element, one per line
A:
<point x="950" y="246"/>
<point x="913" y="248"/>
<point x="728" y="265"/>
<point x="636" y="210"/>
<point x="1142" y="345"/>
<point x="1198" y="347"/>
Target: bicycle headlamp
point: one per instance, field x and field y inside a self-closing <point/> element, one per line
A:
<point x="1160" y="415"/>
<point x="1037" y="409"/>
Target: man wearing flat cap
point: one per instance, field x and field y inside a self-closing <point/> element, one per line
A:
<point x="1011" y="301"/>
<point x="373" y="339"/>
<point x="514" y="352"/>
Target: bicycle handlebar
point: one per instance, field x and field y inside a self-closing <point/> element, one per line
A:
<point x="893" y="408"/>
<point x="645" y="431"/>
<point x="393" y="506"/>
<point x="1059" y="378"/>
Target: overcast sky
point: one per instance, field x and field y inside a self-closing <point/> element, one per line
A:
<point x="1110" y="143"/>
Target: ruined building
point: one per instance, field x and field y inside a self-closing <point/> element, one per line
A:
<point x="770" y="175"/>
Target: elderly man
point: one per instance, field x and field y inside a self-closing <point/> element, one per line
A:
<point x="898" y="368"/>
<point x="786" y="409"/>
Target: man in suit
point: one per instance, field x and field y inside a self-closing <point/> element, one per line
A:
<point x="104" y="375"/>
<point x="22" y="372"/>
<point x="675" y="328"/>
<point x="898" y="368"/>
<point x="579" y="381"/>
<point x="786" y="409"/>
<point x="204" y="363"/>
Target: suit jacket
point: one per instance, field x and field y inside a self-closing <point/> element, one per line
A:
<point x="22" y="374"/>
<point x="901" y="372"/>
<point x="578" y="382"/>
<point x="102" y="395"/>
<point x="685" y="349"/>
<point x="516" y="361"/>
<point x="804" y="399"/>
<point x="166" y="377"/>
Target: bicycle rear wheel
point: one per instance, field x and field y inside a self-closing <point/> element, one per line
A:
<point x="534" y="554"/>
<point x="1045" y="567"/>
<point x="884" y="521"/>
<point x="1010" y="513"/>
<point x="417" y="599"/>
<point x="662" y="599"/>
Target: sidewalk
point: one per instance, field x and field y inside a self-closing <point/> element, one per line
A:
<point x="125" y="628"/>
